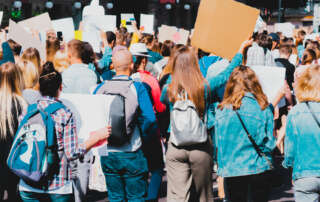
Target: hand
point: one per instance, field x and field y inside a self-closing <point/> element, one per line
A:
<point x="102" y="134"/>
<point x="245" y="44"/>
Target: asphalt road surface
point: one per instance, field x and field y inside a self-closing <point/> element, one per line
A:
<point x="281" y="194"/>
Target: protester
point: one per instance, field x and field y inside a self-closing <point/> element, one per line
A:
<point x="52" y="45"/>
<point x="166" y="50"/>
<point x="12" y="107"/>
<point x="244" y="108"/>
<point x="30" y="74"/>
<point x="189" y="164"/>
<point x="88" y="57"/>
<point x="125" y="167"/>
<point x="259" y="54"/>
<point x="78" y="78"/>
<point x="299" y="42"/>
<point x="206" y="61"/>
<point x="60" y="188"/>
<point x="32" y="55"/>
<point x="302" y="136"/>
<point x="15" y="48"/>
<point x="309" y="57"/>
<point x="149" y="41"/>
<point x="153" y="149"/>
<point x="7" y="54"/>
<point x="105" y="61"/>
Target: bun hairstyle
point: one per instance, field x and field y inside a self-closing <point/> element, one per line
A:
<point x="50" y="80"/>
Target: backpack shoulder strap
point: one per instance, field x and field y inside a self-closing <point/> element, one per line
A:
<point x="98" y="87"/>
<point x="50" y="125"/>
<point x="256" y="147"/>
<point x="54" y="107"/>
<point x="313" y="115"/>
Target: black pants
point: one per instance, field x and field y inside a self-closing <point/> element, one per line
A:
<point x="254" y="187"/>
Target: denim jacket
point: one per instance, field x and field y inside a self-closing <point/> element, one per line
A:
<point x="302" y="141"/>
<point x="236" y="154"/>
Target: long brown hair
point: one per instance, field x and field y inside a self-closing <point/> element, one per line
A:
<point x="243" y="80"/>
<point x="186" y="76"/>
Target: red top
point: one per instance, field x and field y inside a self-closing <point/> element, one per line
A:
<point x="147" y="78"/>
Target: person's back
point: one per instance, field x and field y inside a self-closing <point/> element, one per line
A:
<point x="302" y="139"/>
<point x="125" y="165"/>
<point x="78" y="78"/>
<point x="12" y="108"/>
<point x="244" y="108"/>
<point x="238" y="156"/>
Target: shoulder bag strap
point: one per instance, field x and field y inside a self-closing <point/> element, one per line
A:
<point x="256" y="147"/>
<point x="313" y="115"/>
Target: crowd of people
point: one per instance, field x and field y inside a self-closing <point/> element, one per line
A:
<point x="186" y="112"/>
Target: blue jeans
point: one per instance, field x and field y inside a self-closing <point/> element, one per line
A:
<point x="307" y="189"/>
<point x="155" y="184"/>
<point x="38" y="197"/>
<point x="126" y="176"/>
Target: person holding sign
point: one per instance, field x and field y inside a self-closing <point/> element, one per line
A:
<point x="60" y="188"/>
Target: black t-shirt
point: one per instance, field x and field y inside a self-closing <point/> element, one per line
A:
<point x="290" y="68"/>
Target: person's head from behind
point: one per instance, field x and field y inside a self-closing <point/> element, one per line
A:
<point x="30" y="74"/>
<point x="15" y="47"/>
<point x="50" y="81"/>
<point x="87" y="55"/>
<point x="122" y="62"/>
<point x="168" y="68"/>
<point x="32" y="55"/>
<point x="11" y="85"/>
<point x="166" y="48"/>
<point x="285" y="51"/>
<point x="120" y="39"/>
<point x="187" y="78"/>
<point x="148" y="40"/>
<point x="11" y="79"/>
<point x="243" y="80"/>
<point x="140" y="51"/>
<point x="111" y="39"/>
<point x="307" y="85"/>
<point x="75" y="48"/>
<point x="264" y="41"/>
<point x="275" y="40"/>
<point x="61" y="61"/>
<point x="309" y="56"/>
<point x="301" y="35"/>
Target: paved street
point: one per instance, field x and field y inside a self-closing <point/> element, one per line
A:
<point x="282" y="194"/>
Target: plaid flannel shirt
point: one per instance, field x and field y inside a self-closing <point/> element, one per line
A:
<point x="67" y="140"/>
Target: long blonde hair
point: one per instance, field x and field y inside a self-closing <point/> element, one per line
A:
<point x="11" y="86"/>
<point x="186" y="76"/>
<point x="243" y="80"/>
<point x="30" y="74"/>
<point x="307" y="87"/>
<point x="32" y="55"/>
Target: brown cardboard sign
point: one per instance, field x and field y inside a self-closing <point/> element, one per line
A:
<point x="222" y="25"/>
